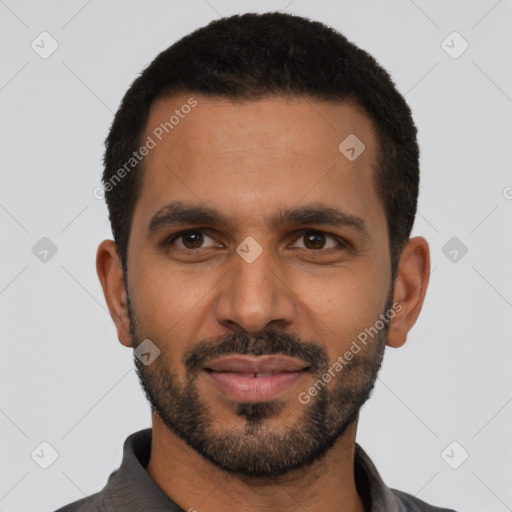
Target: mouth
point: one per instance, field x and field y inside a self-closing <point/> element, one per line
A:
<point x="255" y="379"/>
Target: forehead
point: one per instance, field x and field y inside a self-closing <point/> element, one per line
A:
<point x="248" y="157"/>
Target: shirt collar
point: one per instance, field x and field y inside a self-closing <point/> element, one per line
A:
<point x="131" y="488"/>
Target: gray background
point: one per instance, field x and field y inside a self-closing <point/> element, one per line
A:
<point x="66" y="380"/>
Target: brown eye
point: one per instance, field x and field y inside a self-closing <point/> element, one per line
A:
<point x="190" y="240"/>
<point x="316" y="240"/>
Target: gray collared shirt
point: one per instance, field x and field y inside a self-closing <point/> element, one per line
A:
<point x="130" y="488"/>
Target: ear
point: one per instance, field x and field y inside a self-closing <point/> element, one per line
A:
<point x="110" y="273"/>
<point x="410" y="289"/>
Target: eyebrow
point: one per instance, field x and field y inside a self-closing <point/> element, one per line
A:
<point x="179" y="213"/>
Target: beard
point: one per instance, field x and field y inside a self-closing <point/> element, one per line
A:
<point x="256" y="449"/>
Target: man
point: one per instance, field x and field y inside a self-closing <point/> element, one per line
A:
<point x="262" y="180"/>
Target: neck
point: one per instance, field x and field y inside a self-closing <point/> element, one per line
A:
<point x="196" y="485"/>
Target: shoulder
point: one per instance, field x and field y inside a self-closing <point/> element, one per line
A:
<point x="88" y="504"/>
<point x="412" y="504"/>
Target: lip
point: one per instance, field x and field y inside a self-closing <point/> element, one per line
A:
<point x="255" y="379"/>
<point x="256" y="364"/>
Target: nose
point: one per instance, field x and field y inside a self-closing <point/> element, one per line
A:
<point x="254" y="296"/>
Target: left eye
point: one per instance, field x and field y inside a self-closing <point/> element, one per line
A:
<point x="316" y="240"/>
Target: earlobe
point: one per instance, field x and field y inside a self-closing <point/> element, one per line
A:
<point x="110" y="274"/>
<point x="410" y="289"/>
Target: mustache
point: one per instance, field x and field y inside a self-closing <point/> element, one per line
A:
<point x="267" y="343"/>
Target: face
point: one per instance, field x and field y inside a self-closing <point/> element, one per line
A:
<point x="258" y="255"/>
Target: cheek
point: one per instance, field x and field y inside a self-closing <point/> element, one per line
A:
<point x="339" y="307"/>
<point x="169" y="302"/>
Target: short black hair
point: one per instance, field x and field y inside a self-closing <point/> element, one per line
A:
<point x="252" y="56"/>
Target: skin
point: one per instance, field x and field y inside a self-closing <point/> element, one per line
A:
<point x="249" y="160"/>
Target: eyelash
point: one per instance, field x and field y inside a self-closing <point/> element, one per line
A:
<point x="343" y="244"/>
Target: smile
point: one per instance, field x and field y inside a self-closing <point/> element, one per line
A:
<point x="255" y="379"/>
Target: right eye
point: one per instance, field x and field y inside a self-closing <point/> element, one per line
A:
<point x="191" y="240"/>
